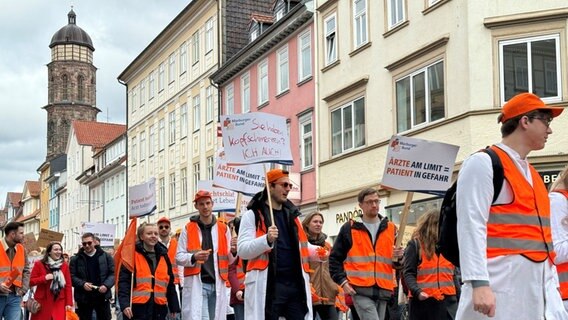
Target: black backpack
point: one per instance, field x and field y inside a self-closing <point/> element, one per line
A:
<point x="447" y="228"/>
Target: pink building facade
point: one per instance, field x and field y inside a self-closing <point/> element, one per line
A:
<point x="274" y="73"/>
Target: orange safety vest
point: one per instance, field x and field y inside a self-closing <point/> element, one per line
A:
<point x="366" y="266"/>
<point x="522" y="226"/>
<point x="436" y="274"/>
<point x="240" y="274"/>
<point x="18" y="263"/>
<point x="194" y="245"/>
<point x="562" y="268"/>
<point x="146" y="283"/>
<point x="172" y="248"/>
<point x="261" y="262"/>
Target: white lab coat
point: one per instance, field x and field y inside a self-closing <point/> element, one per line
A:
<point x="249" y="247"/>
<point x="559" y="225"/>
<point x="523" y="289"/>
<point x="191" y="294"/>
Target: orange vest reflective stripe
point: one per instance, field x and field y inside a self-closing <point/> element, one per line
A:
<point x="261" y="262"/>
<point x="146" y="283"/>
<point x="436" y="274"/>
<point x="366" y="266"/>
<point x="240" y="274"/>
<point x="523" y="226"/>
<point x="562" y="268"/>
<point x="194" y="244"/>
<point x="172" y="248"/>
<point x="18" y="263"/>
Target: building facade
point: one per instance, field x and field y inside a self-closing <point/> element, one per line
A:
<point x="385" y="76"/>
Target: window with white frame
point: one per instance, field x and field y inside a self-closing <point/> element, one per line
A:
<point x="161" y="134"/>
<point x="152" y="85"/>
<point x="183" y="120"/>
<point x="420" y="97"/>
<point x="245" y="92"/>
<point x="172" y="190"/>
<point x="210" y="168"/>
<point x="282" y="71"/>
<point x="348" y="126"/>
<point x="142" y="145"/>
<point x="172" y="68"/>
<point x="196" y="113"/>
<point x="396" y="13"/>
<point x="209" y="104"/>
<point x="172" y="127"/>
<point x="161" y="76"/>
<point x="263" y="82"/>
<point x="183" y="181"/>
<point x="183" y="58"/>
<point x="306" y="141"/>
<point x="330" y="39"/>
<point x="131" y="101"/>
<point x="162" y="193"/>
<point x="142" y="92"/>
<point x="135" y="103"/>
<point x="195" y="47"/>
<point x="230" y="91"/>
<point x="360" y="22"/>
<point x="209" y="35"/>
<point x="254" y="32"/>
<point x="531" y="65"/>
<point x="304" y="56"/>
<point x="196" y="176"/>
<point x="151" y="140"/>
<point x="134" y="150"/>
<point x="280" y="13"/>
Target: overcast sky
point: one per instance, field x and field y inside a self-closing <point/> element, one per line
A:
<point x="120" y="30"/>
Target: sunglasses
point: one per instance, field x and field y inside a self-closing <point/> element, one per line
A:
<point x="87" y="243"/>
<point x="285" y="184"/>
<point x="164" y="227"/>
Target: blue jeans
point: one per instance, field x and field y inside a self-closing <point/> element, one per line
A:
<point x="10" y="307"/>
<point x="239" y="311"/>
<point x="209" y="301"/>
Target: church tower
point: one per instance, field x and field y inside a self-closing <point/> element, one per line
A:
<point x="71" y="84"/>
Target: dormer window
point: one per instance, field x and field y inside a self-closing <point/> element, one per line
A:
<point x="258" y="24"/>
<point x="254" y="32"/>
<point x="280" y="13"/>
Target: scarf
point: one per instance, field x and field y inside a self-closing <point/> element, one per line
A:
<point x="317" y="240"/>
<point x="58" y="282"/>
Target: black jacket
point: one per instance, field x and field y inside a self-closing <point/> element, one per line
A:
<point x="341" y="247"/>
<point x="258" y="206"/>
<point x="78" y="269"/>
<point x="146" y="311"/>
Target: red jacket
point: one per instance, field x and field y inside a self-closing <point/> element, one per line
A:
<point x="50" y="309"/>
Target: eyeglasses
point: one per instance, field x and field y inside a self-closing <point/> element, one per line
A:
<point x="87" y="243"/>
<point x="371" y="202"/>
<point x="284" y="184"/>
<point x="164" y="227"/>
<point x="546" y="121"/>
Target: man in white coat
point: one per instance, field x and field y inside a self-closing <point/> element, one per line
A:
<point x="205" y="251"/>
<point x="277" y="282"/>
<point x="506" y="252"/>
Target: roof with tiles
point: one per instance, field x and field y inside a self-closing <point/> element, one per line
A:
<point x="33" y="187"/>
<point x="262" y="18"/>
<point x="14" y="198"/>
<point x="238" y="15"/>
<point x="97" y="134"/>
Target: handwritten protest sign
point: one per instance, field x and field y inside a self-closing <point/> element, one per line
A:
<point x="256" y="137"/>
<point x="418" y="165"/>
<point x="246" y="179"/>
<point x="46" y="236"/>
<point x="223" y="200"/>
<point x="105" y="231"/>
<point x="142" y="198"/>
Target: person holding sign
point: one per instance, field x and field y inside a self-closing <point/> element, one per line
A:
<point x="13" y="284"/>
<point x="506" y="252"/>
<point x="559" y="221"/>
<point x="366" y="244"/>
<point x="277" y="280"/>
<point x="164" y="230"/>
<point x="205" y="250"/>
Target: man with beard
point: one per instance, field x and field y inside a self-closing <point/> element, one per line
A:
<point x="13" y="257"/>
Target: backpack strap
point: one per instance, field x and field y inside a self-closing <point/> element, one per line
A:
<point x="498" y="172"/>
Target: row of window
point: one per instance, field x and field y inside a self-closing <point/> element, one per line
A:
<point x="156" y="79"/>
<point x="183" y="184"/>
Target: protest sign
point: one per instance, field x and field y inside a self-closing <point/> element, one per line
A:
<point x="419" y="165"/>
<point x="105" y="232"/>
<point x="246" y="179"/>
<point x="223" y="200"/>
<point x="256" y="137"/>
<point x="46" y="236"/>
<point x="142" y="198"/>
